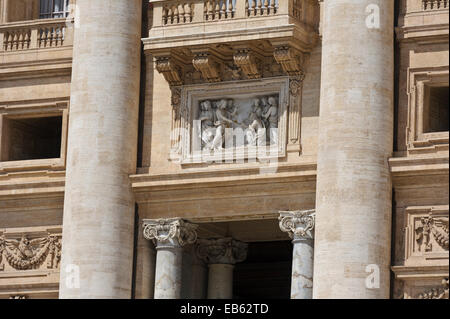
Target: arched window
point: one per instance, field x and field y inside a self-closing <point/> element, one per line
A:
<point x="53" y="9"/>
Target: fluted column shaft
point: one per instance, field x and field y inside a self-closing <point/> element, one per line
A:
<point x="169" y="236"/>
<point x="221" y="255"/>
<point x="300" y="227"/>
<point x="353" y="197"/>
<point x="102" y="149"/>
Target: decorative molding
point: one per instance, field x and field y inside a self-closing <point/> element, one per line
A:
<point x="298" y="224"/>
<point x="173" y="231"/>
<point x="440" y="292"/>
<point x="25" y="254"/>
<point x="175" y="133"/>
<point x="205" y="63"/>
<point x="245" y="59"/>
<point x="295" y="90"/>
<point x="290" y="60"/>
<point x="221" y="251"/>
<point x="169" y="69"/>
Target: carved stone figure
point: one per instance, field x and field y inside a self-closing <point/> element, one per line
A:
<point x="272" y="117"/>
<point x="254" y="116"/>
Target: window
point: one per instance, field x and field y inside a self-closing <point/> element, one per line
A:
<point x="31" y="138"/>
<point x="54" y="9"/>
<point x="436" y="111"/>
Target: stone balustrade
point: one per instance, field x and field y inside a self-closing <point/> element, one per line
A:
<point x="168" y="13"/>
<point x="434" y="4"/>
<point x="36" y="34"/>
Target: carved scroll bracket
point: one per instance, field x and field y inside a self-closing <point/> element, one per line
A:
<point x="207" y="64"/>
<point x="170" y="68"/>
<point x="290" y="59"/>
<point x="247" y="61"/>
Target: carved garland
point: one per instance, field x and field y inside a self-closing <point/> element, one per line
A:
<point x="27" y="254"/>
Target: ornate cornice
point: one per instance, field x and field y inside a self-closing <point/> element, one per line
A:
<point x="170" y="232"/>
<point x="221" y="251"/>
<point x="298" y="224"/>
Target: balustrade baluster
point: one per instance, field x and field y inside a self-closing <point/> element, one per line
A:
<point x="253" y="7"/>
<point x="259" y="7"/>
<point x="230" y="9"/>
<point x="223" y="8"/>
<point x="164" y="15"/>
<point x="188" y="12"/>
<point x="210" y="10"/>
<point x="181" y="16"/>
<point x="217" y="10"/>
<point x="272" y="7"/>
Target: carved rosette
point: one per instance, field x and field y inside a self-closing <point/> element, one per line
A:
<point x="221" y="251"/>
<point x="25" y="254"/>
<point x="170" y="232"/>
<point x="298" y="224"/>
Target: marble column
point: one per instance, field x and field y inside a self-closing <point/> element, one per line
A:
<point x="169" y="236"/>
<point x="353" y="194"/>
<point x="221" y="255"/>
<point x="300" y="227"/>
<point x="98" y="221"/>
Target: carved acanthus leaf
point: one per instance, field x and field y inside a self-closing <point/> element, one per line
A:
<point x="204" y="63"/>
<point x="173" y="231"/>
<point x="245" y="59"/>
<point x="221" y="251"/>
<point x="298" y="224"/>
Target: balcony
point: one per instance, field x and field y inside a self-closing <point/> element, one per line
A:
<point x="26" y="46"/>
<point x="206" y="33"/>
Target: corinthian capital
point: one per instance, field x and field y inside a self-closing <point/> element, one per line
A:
<point x="172" y="231"/>
<point x="298" y="224"/>
<point x="221" y="251"/>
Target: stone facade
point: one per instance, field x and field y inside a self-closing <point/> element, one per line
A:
<point x="224" y="149"/>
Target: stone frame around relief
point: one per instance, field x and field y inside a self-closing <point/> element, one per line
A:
<point x="192" y="94"/>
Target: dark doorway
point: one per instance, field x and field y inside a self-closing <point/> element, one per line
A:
<point x="266" y="273"/>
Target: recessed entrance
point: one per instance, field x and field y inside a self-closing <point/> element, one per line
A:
<point x="266" y="273"/>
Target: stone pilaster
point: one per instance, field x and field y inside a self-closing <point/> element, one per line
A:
<point x="300" y="227"/>
<point x="221" y="255"/>
<point x="353" y="197"/>
<point x="99" y="205"/>
<point x="169" y="236"/>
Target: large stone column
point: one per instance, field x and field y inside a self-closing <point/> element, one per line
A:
<point x="300" y="227"/>
<point x="169" y="236"/>
<point x="353" y="203"/>
<point x="99" y="204"/>
<point x="221" y="255"/>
